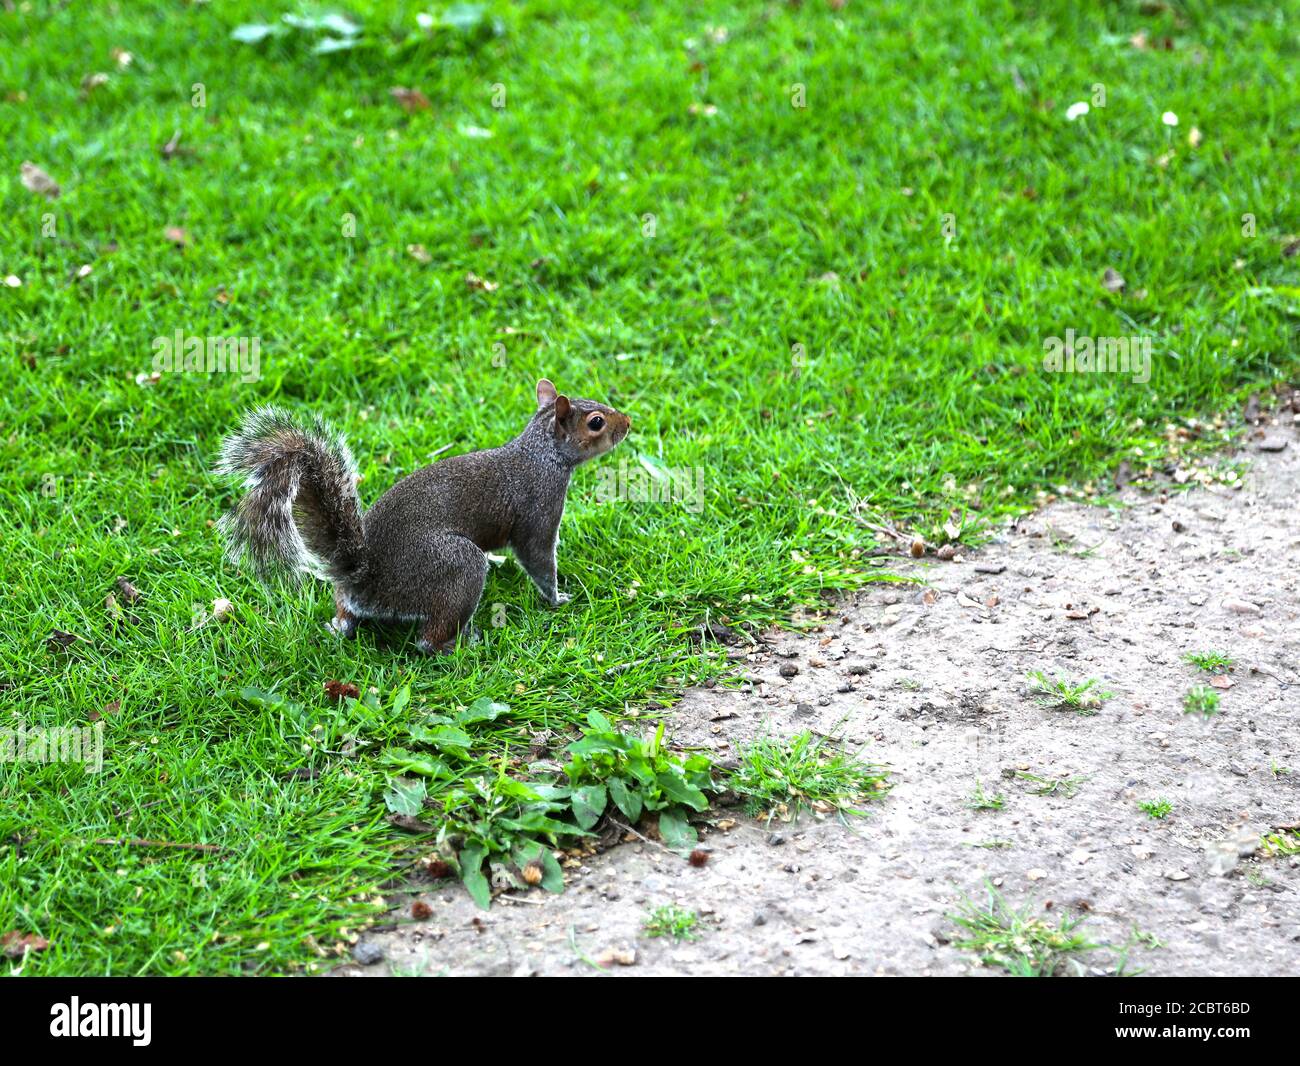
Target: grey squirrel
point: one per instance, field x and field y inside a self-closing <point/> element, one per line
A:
<point x="417" y="554"/>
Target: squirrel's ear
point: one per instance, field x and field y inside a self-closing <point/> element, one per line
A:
<point x="561" y="410"/>
<point x="545" y="393"/>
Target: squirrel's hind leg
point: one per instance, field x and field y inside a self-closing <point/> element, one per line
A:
<point x="344" y="622"/>
<point x="455" y="589"/>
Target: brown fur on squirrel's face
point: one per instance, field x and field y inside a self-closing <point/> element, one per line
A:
<point x="584" y="429"/>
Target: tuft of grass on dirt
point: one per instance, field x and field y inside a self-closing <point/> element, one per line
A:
<point x="1016" y="941"/>
<point x="1284" y="841"/>
<point x="1083" y="697"/>
<point x="980" y="801"/>
<point x="778" y="778"/>
<point x="1157" y="809"/>
<point x="1068" y="787"/>
<point x="1201" y="700"/>
<point x="672" y="921"/>
<point x="1212" y="662"/>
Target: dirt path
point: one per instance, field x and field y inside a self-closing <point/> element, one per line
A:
<point x="931" y="681"/>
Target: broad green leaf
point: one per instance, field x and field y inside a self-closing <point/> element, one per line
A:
<point x="448" y="738"/>
<point x="641" y="770"/>
<point x="470" y="861"/>
<point x="273" y="701"/>
<point x="591" y="746"/>
<point x="552" y="874"/>
<point x="528" y="791"/>
<point x="482" y="709"/>
<point x="628" y="800"/>
<point x="675" y="830"/>
<point x="410" y="763"/>
<point x="406" y="796"/>
<point x="545" y="791"/>
<point x="538" y="822"/>
<point x="599" y="722"/>
<point x="400" y="700"/>
<point x="259" y="698"/>
<point x="589" y="804"/>
<point x="534" y="851"/>
<point x="678" y="790"/>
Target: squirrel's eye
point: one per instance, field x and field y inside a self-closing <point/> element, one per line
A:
<point x="595" y="423"/>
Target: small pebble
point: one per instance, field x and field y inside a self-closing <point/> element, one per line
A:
<point x="367" y="952"/>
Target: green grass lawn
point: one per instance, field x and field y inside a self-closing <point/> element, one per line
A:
<point x="772" y="292"/>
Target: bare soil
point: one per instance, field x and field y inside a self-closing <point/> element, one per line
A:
<point x="930" y="680"/>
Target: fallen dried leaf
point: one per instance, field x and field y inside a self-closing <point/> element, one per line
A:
<point x="37" y="181"/>
<point x="91" y="82"/>
<point x="15" y="945"/>
<point x="411" y="99"/>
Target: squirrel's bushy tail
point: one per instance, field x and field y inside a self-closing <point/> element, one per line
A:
<point x="299" y="512"/>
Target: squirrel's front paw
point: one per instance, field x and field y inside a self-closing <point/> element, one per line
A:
<point x="561" y="598"/>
